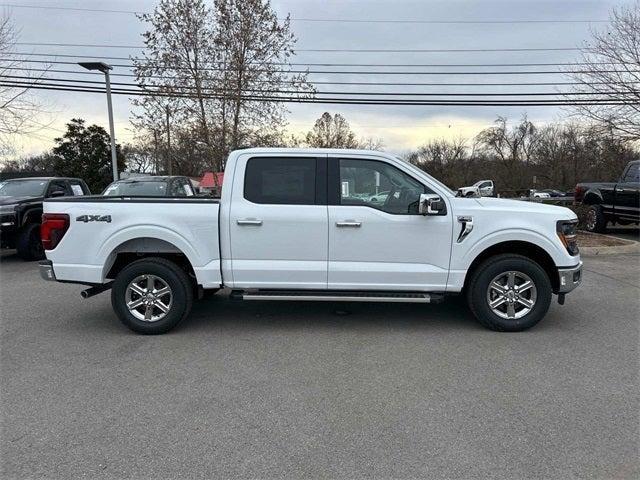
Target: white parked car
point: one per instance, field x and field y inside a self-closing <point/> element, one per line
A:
<point x="482" y="188"/>
<point x="538" y="194"/>
<point x="286" y="228"/>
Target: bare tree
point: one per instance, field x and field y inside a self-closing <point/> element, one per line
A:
<point x="178" y="63"/>
<point x="18" y="107"/>
<point x="223" y="71"/>
<point x="610" y="69"/>
<point x="256" y="48"/>
<point x="331" y="131"/>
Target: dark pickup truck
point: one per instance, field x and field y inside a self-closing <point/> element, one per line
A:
<point x="21" y="210"/>
<point x="612" y="202"/>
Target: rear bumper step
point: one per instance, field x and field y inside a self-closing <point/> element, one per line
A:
<point x="337" y="296"/>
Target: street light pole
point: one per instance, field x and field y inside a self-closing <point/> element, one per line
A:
<point x="112" y="133"/>
<point x="104" y="68"/>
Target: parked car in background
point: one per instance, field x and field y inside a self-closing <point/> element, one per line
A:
<point x="554" y="193"/>
<point x="21" y="210"/>
<point x="297" y="224"/>
<point x="538" y="194"/>
<point x="482" y="188"/>
<point x="147" y="186"/>
<point x="616" y="202"/>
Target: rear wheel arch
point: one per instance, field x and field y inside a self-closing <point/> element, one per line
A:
<point x="526" y="249"/>
<point x="592" y="198"/>
<point x="139" y="248"/>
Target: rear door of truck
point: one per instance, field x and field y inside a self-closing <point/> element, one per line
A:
<point x="627" y="204"/>
<point x="278" y="221"/>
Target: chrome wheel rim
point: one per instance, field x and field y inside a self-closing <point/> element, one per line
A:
<point x="148" y="298"/>
<point x="511" y="295"/>
<point x="591" y="219"/>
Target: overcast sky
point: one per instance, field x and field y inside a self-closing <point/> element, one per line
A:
<point x="401" y="127"/>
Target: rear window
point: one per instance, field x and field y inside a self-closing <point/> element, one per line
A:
<point x="289" y="181"/>
<point x="139" y="188"/>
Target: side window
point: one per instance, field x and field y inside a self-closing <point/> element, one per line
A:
<point x="56" y="186"/>
<point x="188" y="189"/>
<point x="633" y="174"/>
<point x="176" y="189"/>
<point x="290" y="181"/>
<point x="76" y="188"/>
<point x="379" y="185"/>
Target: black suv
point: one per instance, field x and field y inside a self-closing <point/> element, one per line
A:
<point x="21" y="210"/>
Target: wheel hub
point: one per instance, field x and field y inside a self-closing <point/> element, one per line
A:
<point x="511" y="295"/>
<point x="148" y="298"/>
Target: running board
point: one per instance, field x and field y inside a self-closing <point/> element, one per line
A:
<point x="337" y="296"/>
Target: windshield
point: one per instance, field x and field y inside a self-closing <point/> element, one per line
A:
<point x="23" y="188"/>
<point x="141" y="188"/>
<point x="434" y="180"/>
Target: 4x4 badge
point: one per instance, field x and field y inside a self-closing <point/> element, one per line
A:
<point x="94" y="218"/>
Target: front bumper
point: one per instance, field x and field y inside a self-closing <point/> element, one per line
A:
<point x="46" y="270"/>
<point x="569" y="278"/>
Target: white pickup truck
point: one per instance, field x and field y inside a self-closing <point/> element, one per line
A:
<point x="299" y="224"/>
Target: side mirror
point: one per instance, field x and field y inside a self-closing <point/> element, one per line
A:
<point x="57" y="193"/>
<point x="431" y="204"/>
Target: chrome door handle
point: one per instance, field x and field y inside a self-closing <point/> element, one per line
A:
<point x="249" y="221"/>
<point x="348" y="223"/>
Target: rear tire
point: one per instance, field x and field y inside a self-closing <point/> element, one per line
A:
<point x="595" y="220"/>
<point x="29" y="245"/>
<point x="137" y="295"/>
<point x="521" y="308"/>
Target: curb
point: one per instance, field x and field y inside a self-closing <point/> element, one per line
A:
<point x="630" y="246"/>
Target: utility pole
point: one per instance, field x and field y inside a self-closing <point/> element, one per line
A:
<point x="169" y="162"/>
<point x="155" y="151"/>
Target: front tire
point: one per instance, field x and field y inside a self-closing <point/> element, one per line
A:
<point x="509" y="293"/>
<point x="29" y="245"/>
<point x="152" y="295"/>
<point x="595" y="220"/>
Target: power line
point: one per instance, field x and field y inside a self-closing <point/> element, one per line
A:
<point x="349" y="101"/>
<point x="324" y="64"/>
<point x="152" y="88"/>
<point x="330" y="20"/>
<point x="333" y="50"/>
<point x="353" y="72"/>
<point x="352" y="83"/>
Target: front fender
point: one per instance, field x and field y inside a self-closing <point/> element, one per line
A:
<point x="555" y="249"/>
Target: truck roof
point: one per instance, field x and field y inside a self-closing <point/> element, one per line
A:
<point x="150" y="178"/>
<point x="41" y="178"/>
<point x="307" y="151"/>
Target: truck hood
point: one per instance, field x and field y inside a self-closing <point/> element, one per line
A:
<point x="16" y="200"/>
<point x="523" y="206"/>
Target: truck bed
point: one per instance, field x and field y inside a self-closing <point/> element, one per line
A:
<point x="102" y="227"/>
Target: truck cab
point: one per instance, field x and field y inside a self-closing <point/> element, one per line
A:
<point x="310" y="224"/>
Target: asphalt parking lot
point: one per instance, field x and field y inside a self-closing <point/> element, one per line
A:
<point x="269" y="390"/>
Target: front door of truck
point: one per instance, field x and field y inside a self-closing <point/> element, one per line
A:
<point x="278" y="222"/>
<point x="377" y="238"/>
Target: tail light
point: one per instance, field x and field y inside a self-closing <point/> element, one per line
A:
<point x="578" y="194"/>
<point x="53" y="228"/>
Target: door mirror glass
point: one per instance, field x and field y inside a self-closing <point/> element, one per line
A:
<point x="431" y="204"/>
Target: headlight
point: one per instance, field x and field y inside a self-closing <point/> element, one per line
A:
<point x="4" y="209"/>
<point x="568" y="233"/>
